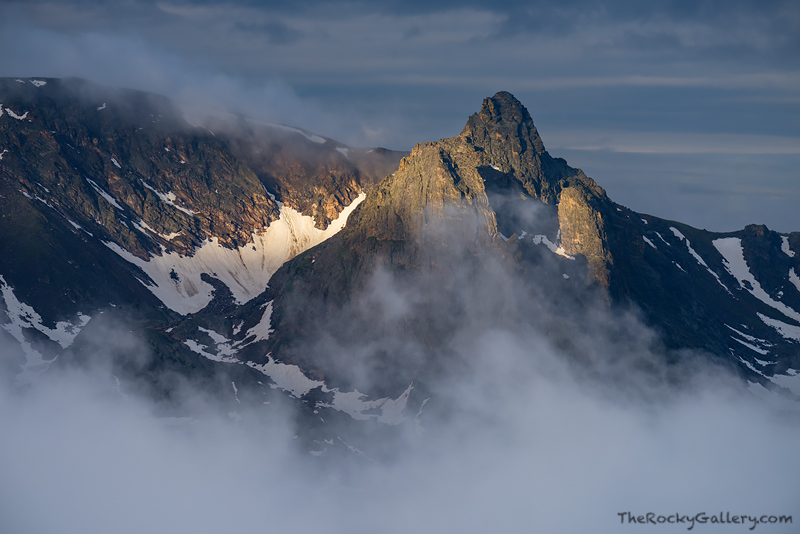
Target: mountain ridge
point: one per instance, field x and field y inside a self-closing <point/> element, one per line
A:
<point x="167" y="227"/>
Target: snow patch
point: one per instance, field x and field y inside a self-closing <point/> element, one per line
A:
<point x="751" y="347"/>
<point x="23" y="316"/>
<point x="751" y="338"/>
<point x="225" y="349"/>
<point x="262" y="330"/>
<point x="15" y="116"/>
<point x="115" y="162"/>
<point x="218" y="338"/>
<point x="662" y="239"/>
<point x="786" y="330"/>
<point x="649" y="242"/>
<point x="102" y="193"/>
<point x="38" y="83"/>
<point x="3" y="153"/>
<point x="392" y="409"/>
<point x="735" y="264"/>
<point x="225" y="352"/>
<point x="794" y="279"/>
<point x="785" y="246"/>
<point x="699" y="259"/>
<point x="200" y="349"/>
<point x="679" y="267"/>
<point x="287" y="377"/>
<point x="43" y="201"/>
<point x="102" y="107"/>
<point x="555" y="249"/>
<point x="246" y="270"/>
<point x="168" y="198"/>
<point x="311" y="137"/>
<point x="351" y="404"/>
<point x="343" y="151"/>
<point x="291" y="378"/>
<point x="790" y="381"/>
<point x="677" y="233"/>
<point x="751" y="367"/>
<point x="144" y="227"/>
<point x="495" y="167"/>
<point x="19" y="81"/>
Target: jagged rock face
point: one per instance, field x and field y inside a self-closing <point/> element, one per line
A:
<point x="505" y="133"/>
<point x="583" y="230"/>
<point x="435" y="222"/>
<point x="437" y="182"/>
<point x="480" y="185"/>
<point x="112" y="160"/>
<point x="124" y="168"/>
<point x="316" y="176"/>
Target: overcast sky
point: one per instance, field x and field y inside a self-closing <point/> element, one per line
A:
<point x="688" y="110"/>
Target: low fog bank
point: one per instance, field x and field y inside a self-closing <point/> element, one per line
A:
<point x="525" y="452"/>
<point x="518" y="436"/>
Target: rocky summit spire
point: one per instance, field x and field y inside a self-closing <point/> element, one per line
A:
<point x="504" y="131"/>
<point x="498" y="156"/>
<point x="504" y="117"/>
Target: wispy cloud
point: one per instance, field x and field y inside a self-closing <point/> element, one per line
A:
<point x="674" y="143"/>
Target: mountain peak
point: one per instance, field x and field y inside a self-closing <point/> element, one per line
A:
<point x="504" y="106"/>
<point x="503" y="116"/>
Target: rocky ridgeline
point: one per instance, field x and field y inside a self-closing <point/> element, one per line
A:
<point x="100" y="165"/>
<point x="494" y="194"/>
<point x="109" y="198"/>
<point x="125" y="167"/>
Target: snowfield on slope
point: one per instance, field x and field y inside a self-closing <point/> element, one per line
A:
<point x="246" y="271"/>
<point x="23" y="317"/>
<point x="735" y="264"/>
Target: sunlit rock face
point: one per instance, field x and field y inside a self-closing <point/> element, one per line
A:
<point x="457" y="208"/>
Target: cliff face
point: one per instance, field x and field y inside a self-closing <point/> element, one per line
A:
<point x="456" y="209"/>
<point x="455" y="214"/>
<point x="580" y="219"/>
<point x="314" y="175"/>
<point x="113" y="160"/>
<point x="497" y="158"/>
<point x="504" y="131"/>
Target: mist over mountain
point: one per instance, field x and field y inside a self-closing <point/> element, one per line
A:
<point x="474" y="327"/>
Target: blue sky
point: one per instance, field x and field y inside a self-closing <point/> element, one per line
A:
<point x="685" y="110"/>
